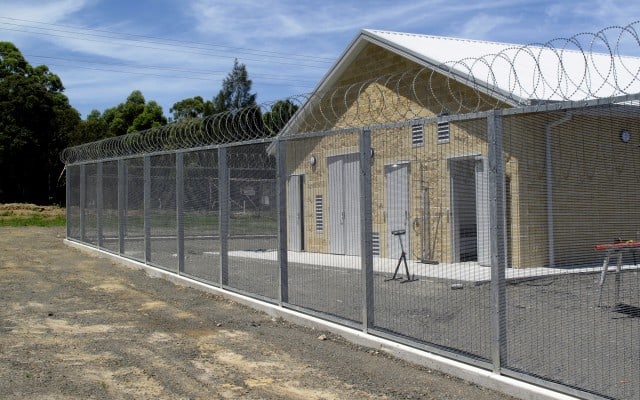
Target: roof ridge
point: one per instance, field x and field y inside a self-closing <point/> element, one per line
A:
<point x="504" y="44"/>
<point x="459" y="39"/>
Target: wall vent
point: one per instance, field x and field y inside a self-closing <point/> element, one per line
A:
<point x="417" y="135"/>
<point x="319" y="213"/>
<point x="375" y="238"/>
<point x="443" y="131"/>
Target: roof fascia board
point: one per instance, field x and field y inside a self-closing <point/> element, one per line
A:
<point x="351" y="52"/>
<point x="365" y="37"/>
<point x="483" y="86"/>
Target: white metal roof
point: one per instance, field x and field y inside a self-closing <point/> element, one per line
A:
<point x="516" y="74"/>
<point x="520" y="72"/>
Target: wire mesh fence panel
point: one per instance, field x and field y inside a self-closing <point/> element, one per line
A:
<point x="253" y="231"/>
<point x="162" y="212"/>
<point x="110" y="205"/>
<point x="572" y="206"/>
<point x="91" y="204"/>
<point x="133" y="223"/>
<point x="73" y="202"/>
<point x="503" y="227"/>
<point x="323" y="224"/>
<point x="201" y="221"/>
<point x="430" y="230"/>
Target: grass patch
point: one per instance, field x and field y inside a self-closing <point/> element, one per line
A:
<point x="19" y="214"/>
<point x="32" y="220"/>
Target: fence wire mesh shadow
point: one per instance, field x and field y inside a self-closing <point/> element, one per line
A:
<point x="498" y="229"/>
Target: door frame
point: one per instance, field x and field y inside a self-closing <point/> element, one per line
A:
<point x="295" y="212"/>
<point x="393" y="247"/>
<point x="481" y="211"/>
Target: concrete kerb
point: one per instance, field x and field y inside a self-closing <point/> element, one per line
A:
<point x="485" y="378"/>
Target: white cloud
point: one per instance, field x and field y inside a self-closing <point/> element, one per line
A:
<point x="47" y="11"/>
<point x="480" y="26"/>
<point x="243" y="21"/>
<point x="13" y="15"/>
<point x="315" y="28"/>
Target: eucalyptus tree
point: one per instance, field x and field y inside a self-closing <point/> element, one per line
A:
<point x="35" y="121"/>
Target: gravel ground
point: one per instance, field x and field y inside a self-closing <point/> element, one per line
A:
<point x="77" y="326"/>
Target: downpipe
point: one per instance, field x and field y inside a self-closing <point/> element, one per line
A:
<point x="549" y="174"/>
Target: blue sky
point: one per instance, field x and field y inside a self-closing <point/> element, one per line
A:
<point x="175" y="49"/>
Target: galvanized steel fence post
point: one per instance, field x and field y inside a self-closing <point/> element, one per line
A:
<point x="68" y="200"/>
<point x="281" y="197"/>
<point x="223" y="214"/>
<point x="99" y="204"/>
<point x="83" y="202"/>
<point x="497" y="220"/>
<point x="366" y="229"/>
<point x="122" y="199"/>
<point x="147" y="208"/>
<point x="180" y="209"/>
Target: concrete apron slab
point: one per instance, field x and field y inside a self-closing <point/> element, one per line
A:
<point x="464" y="272"/>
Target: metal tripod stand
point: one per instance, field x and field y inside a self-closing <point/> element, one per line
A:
<point x="403" y="259"/>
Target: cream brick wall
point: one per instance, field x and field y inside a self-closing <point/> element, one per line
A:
<point x="595" y="193"/>
<point x="427" y="164"/>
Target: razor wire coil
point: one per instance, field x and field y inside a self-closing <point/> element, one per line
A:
<point x="582" y="67"/>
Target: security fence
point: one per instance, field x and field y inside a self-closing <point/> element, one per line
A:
<point x="501" y="236"/>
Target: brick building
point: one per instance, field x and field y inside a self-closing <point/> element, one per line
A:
<point x="563" y="169"/>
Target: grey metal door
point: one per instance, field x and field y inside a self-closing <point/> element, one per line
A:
<point x="295" y="237"/>
<point x="397" y="196"/>
<point x="344" y="204"/>
<point x="482" y="212"/>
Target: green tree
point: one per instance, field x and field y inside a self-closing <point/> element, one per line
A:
<point x="244" y="119"/>
<point x="280" y="113"/>
<point x="35" y="120"/>
<point x="236" y="91"/>
<point x="90" y="130"/>
<point x="150" y="117"/>
<point x="193" y="107"/>
<point x="132" y="108"/>
<point x="135" y="114"/>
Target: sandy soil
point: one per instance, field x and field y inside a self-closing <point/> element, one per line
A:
<point x="77" y="326"/>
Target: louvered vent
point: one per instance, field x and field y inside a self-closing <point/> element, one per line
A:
<point x="375" y="238"/>
<point x="319" y="214"/>
<point x="443" y="131"/>
<point x="417" y="135"/>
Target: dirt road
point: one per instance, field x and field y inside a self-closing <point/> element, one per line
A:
<point x="77" y="326"/>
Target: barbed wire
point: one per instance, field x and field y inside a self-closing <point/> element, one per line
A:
<point x="582" y="67"/>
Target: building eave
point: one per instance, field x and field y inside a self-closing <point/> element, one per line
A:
<point x="366" y="37"/>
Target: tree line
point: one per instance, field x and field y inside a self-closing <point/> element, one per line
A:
<point x="37" y="122"/>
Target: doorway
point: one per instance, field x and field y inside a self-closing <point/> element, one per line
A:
<point x="397" y="197"/>
<point x="470" y="209"/>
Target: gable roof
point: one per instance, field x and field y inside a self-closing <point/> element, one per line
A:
<point x="515" y="74"/>
<point x="518" y="75"/>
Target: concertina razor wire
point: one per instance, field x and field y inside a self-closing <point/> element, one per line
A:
<point x="583" y="67"/>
